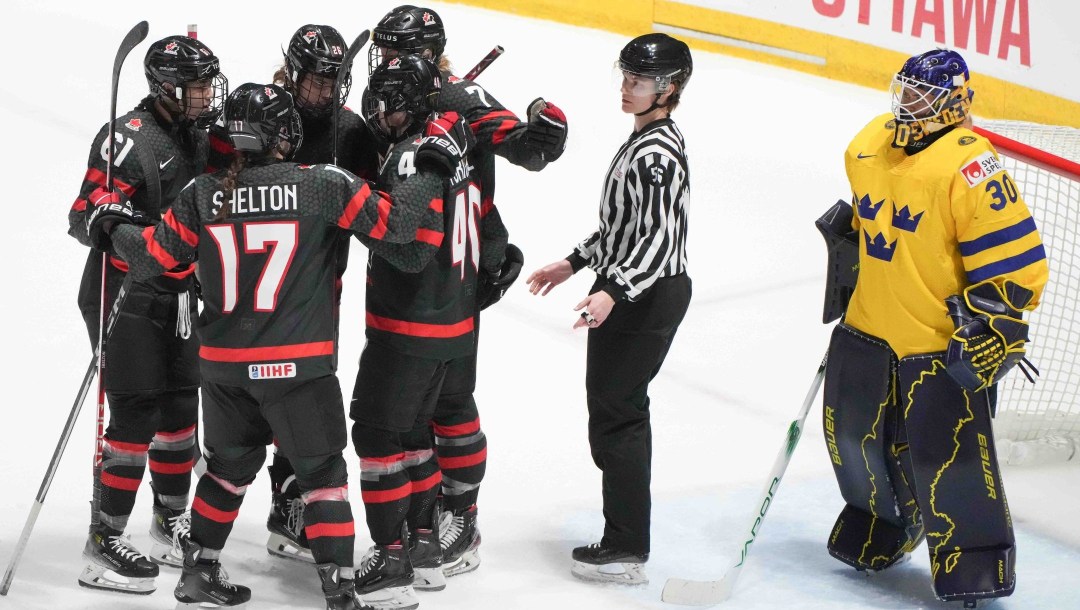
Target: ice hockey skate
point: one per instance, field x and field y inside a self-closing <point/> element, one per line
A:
<point x="169" y="530"/>
<point x="599" y="563"/>
<point x="459" y="539"/>
<point x="204" y="584"/>
<point x="384" y="580"/>
<point x="115" y="565"/>
<point x="286" y="524"/>
<point x="340" y="592"/>
<point x="426" y="556"/>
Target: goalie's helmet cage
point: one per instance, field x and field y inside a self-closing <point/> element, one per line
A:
<point x="407" y="29"/>
<point x="932" y="86"/>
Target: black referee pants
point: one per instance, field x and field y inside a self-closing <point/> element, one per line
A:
<point x="625" y="353"/>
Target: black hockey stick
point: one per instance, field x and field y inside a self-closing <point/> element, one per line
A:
<point x="709" y="592"/>
<point x="484" y="63"/>
<point x="136" y="35"/>
<point x="342" y="76"/>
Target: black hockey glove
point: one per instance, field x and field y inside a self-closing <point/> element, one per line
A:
<point x="110" y="209"/>
<point x="990" y="334"/>
<point x="491" y="288"/>
<point x="547" y="128"/>
<point x="447" y="140"/>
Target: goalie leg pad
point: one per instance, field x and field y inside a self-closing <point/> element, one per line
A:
<point x="859" y="422"/>
<point x="957" y="482"/>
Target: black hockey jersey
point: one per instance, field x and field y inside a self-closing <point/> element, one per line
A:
<point x="267" y="260"/>
<point x="154" y="160"/>
<point x="427" y="307"/>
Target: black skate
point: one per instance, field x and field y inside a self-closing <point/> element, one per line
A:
<point x="286" y="523"/>
<point x="459" y="539"/>
<point x="599" y="563"/>
<point x="204" y="584"/>
<point x="340" y="592"/>
<point x="169" y="530"/>
<point x="114" y="565"/>
<point x="384" y="580"/>
<point x="426" y="556"/>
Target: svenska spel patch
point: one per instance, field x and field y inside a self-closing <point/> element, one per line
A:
<point x="979" y="169"/>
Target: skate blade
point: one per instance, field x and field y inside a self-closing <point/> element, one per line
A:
<point x="205" y="605"/>
<point x="617" y="573"/>
<point x="429" y="579"/>
<point x="391" y="598"/>
<point x="469" y="561"/>
<point x="104" y="579"/>
<point x="280" y="546"/>
<point x="166" y="555"/>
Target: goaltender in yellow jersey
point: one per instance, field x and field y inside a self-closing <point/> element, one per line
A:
<point x="930" y="225"/>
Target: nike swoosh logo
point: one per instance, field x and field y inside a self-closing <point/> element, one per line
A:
<point x="862" y="156"/>
<point x="161" y="166"/>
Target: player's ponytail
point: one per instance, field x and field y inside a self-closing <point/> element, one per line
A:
<point x="228" y="185"/>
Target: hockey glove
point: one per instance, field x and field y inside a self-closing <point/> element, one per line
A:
<point x="491" y="288"/>
<point x="990" y="334"/>
<point x="110" y="209"/>
<point x="547" y="129"/>
<point x="447" y="140"/>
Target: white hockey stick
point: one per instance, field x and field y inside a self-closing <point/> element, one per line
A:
<point x="709" y="592"/>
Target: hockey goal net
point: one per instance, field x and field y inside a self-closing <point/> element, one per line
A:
<point x="1038" y="423"/>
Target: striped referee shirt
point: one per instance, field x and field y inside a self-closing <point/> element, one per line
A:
<point x="642" y="235"/>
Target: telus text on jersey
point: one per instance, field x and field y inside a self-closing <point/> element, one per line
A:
<point x="259" y="199"/>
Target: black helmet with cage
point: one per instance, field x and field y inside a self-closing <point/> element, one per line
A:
<point x="408" y="84"/>
<point x="407" y="29"/>
<point x="316" y="51"/>
<point x="176" y="68"/>
<point x="260" y="117"/>
<point x="659" y="60"/>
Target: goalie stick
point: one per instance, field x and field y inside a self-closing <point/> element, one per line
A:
<point x="342" y="76"/>
<point x="709" y="592"/>
<point x="136" y="35"/>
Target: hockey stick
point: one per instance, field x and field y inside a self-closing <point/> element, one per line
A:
<point x="136" y="35"/>
<point x="709" y="592"/>
<point x="342" y="76"/>
<point x="484" y="63"/>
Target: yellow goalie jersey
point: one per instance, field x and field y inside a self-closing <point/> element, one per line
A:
<point x="930" y="225"/>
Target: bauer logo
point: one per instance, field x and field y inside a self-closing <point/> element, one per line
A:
<point x="279" y="370"/>
<point x="981" y="168"/>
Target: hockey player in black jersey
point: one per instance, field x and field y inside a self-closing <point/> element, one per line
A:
<point x="266" y="234"/>
<point x="152" y="378"/>
<point x="420" y="318"/>
<point x="311" y="65"/>
<point x="532" y="144"/>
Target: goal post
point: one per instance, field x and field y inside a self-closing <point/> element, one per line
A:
<point x="1040" y="423"/>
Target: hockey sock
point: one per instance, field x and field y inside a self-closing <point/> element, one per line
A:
<point x="172" y="455"/>
<point x="328" y="523"/>
<point x="122" y="469"/>
<point x="217" y="502"/>
<point x="462" y="451"/>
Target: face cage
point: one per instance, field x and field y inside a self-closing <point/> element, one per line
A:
<point x="295" y="137"/>
<point x="376" y="108"/>
<point x="302" y="87"/>
<point x="215" y="103"/>
<point x="377" y="55"/>
<point x="640" y="84"/>
<point x="914" y="100"/>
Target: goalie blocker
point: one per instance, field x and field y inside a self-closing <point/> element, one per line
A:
<point x="913" y="453"/>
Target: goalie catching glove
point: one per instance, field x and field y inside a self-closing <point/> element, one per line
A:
<point x="990" y="334"/>
<point x="447" y="140"/>
<point x="492" y="287"/>
<point x="110" y="208"/>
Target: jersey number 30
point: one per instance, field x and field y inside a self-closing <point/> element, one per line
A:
<point x="279" y="238"/>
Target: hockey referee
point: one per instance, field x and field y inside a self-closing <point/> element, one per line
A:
<point x="637" y="302"/>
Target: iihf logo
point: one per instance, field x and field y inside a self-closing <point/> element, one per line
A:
<point x="172" y="48"/>
<point x="879" y="248"/>
<point x="867" y="210"/>
<point x="902" y="219"/>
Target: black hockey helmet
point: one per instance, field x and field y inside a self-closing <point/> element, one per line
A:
<point x="317" y="50"/>
<point x="173" y="63"/>
<point x="259" y="117"/>
<point x="659" y="56"/>
<point x="407" y="29"/>
<point x="406" y="83"/>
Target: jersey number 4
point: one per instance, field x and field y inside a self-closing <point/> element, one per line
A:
<point x="279" y="238"/>
<point x="466" y="238"/>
